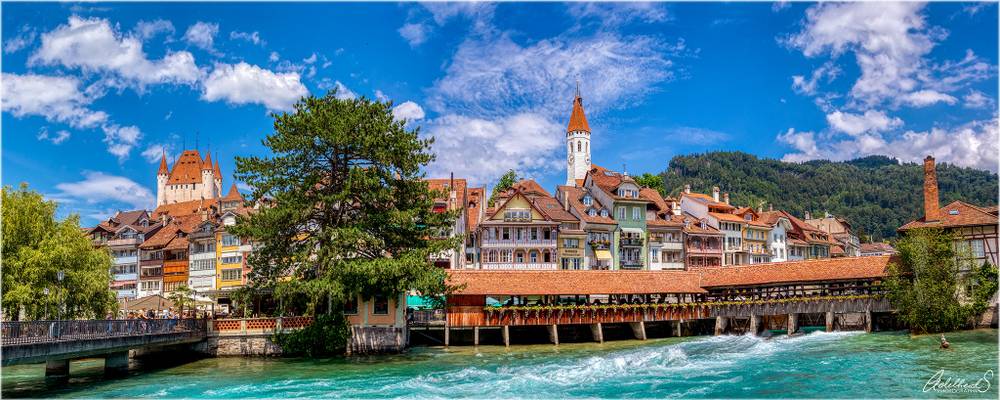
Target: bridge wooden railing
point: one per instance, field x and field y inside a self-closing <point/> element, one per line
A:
<point x="469" y="316"/>
<point x="265" y="325"/>
<point x="31" y="332"/>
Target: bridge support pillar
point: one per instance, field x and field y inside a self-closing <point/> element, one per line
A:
<point x="677" y="328"/>
<point x="57" y="370"/>
<point x="116" y="364"/>
<point x="829" y="321"/>
<point x="868" y="320"/>
<point x="793" y="323"/>
<point x="475" y="336"/>
<point x="447" y="333"/>
<point x="721" y="323"/>
<point x="505" y="332"/>
<point x="638" y="329"/>
<point x="754" y="324"/>
<point x="553" y="334"/>
<point x="597" y="332"/>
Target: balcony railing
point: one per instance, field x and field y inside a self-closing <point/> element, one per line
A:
<point x="124" y="242"/>
<point x="151" y="272"/>
<point x="148" y="263"/>
<point x="520" y="266"/>
<point x="520" y="243"/>
<point x="125" y="259"/>
<point x="630" y="242"/>
<point x="704" y="249"/>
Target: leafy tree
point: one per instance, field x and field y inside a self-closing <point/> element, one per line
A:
<point x="35" y="248"/>
<point x="651" y="181"/>
<point x="926" y="286"/>
<point x="182" y="297"/>
<point x="875" y="194"/>
<point x="346" y="210"/>
<point x="326" y="336"/>
<point x="506" y="181"/>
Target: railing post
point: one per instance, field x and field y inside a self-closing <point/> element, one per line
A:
<point x="243" y="326"/>
<point x="277" y="325"/>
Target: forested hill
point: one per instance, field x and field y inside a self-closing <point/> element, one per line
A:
<point x="875" y="194"/>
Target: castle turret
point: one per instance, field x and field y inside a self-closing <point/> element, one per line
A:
<point x="208" y="179"/>
<point x="577" y="143"/>
<point x="161" y="180"/>
<point x="218" y="176"/>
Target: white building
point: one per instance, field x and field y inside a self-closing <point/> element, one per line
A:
<point x="190" y="178"/>
<point x="577" y="144"/>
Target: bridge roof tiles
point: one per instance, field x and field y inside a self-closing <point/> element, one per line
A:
<point x="818" y="270"/>
<point x="570" y="282"/>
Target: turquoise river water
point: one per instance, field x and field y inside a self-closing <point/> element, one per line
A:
<point x="817" y="365"/>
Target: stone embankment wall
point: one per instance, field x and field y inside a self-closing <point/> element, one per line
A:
<point x="254" y="337"/>
<point x="375" y="340"/>
<point x="248" y="345"/>
<point x="989" y="319"/>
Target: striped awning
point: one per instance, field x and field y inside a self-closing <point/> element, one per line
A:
<point x="602" y="254"/>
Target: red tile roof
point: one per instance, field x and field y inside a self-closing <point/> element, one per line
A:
<point x="553" y="209"/>
<point x="187" y="168"/>
<point x="956" y="214"/>
<point x="185" y="207"/>
<point x="530" y="188"/>
<point x="575" y="194"/>
<point x="474" y="207"/>
<point x="693" y="226"/>
<point x="608" y="181"/>
<point x="825" y="269"/>
<point x="573" y="282"/>
<point x="163" y="165"/>
<point x="708" y="200"/>
<point x="577" y="120"/>
<point x="234" y="194"/>
<point x="877" y="247"/>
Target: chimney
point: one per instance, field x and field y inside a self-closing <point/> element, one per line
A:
<point x="931" y="207"/>
<point x="808" y="217"/>
<point x="715" y="193"/>
<point x="770" y="207"/>
<point x="676" y="208"/>
<point x="687" y="189"/>
<point x="565" y="200"/>
<point x="725" y="197"/>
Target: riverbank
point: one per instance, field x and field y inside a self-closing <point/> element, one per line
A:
<point x="825" y="365"/>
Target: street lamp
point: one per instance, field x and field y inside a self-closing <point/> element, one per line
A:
<point x="59" y="277"/>
<point x="46" y="292"/>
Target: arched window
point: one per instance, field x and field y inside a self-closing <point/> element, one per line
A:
<point x="578" y="147"/>
<point x="519" y="256"/>
<point x="546" y="256"/>
<point x="592" y="212"/>
<point x="533" y="256"/>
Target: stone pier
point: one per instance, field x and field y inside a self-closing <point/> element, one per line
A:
<point x="754" y="324"/>
<point x="553" y="334"/>
<point x="638" y="330"/>
<point x="793" y="323"/>
<point x="116" y="364"/>
<point x="829" y="321"/>
<point x="505" y="332"/>
<point x="475" y="336"/>
<point x="721" y="323"/>
<point x="868" y="320"/>
<point x="57" y="370"/>
<point x="597" y="332"/>
<point x="447" y="333"/>
<point x="678" y="328"/>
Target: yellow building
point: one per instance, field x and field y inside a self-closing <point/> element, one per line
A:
<point x="230" y="250"/>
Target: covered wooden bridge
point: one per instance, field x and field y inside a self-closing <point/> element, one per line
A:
<point x="739" y="299"/>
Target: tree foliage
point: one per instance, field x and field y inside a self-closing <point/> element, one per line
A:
<point x="183" y="298"/>
<point x="345" y="210"/>
<point x="651" y="181"/>
<point x="506" y="181"/>
<point x="36" y="247"/>
<point x="927" y="286"/>
<point x="326" y="336"/>
<point x="876" y="194"/>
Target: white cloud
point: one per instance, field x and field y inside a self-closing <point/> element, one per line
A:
<point x="483" y="149"/>
<point x="414" y="33"/>
<point x="121" y="139"/>
<point x="311" y="59"/>
<point x="202" y="34"/>
<point x="381" y="96"/>
<point x="409" y="111"/>
<point x="924" y="98"/>
<point x="92" y="45"/>
<point x="802" y="85"/>
<point x="98" y="187"/>
<point x="154" y="151"/>
<point x="145" y="30"/>
<point x="618" y="14"/>
<point x="55" y="98"/>
<point x="23" y="39"/>
<point x="780" y="5"/>
<point x="343" y="92"/>
<point x="442" y="12"/>
<point x="974" y="144"/>
<point x="497" y="76"/>
<point x="977" y="99"/>
<point x="244" y="84"/>
<point x="56" y="138"/>
<point x="274" y="56"/>
<point x="856" y="124"/>
<point x="252" y="37"/>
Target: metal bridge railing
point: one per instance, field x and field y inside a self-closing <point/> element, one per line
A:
<point x="30" y="332"/>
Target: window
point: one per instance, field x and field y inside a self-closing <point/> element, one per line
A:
<point x="534" y="233"/>
<point x="977" y="248"/>
<point x="230" y="240"/>
<point x="604" y="213"/>
<point x="654" y="255"/>
<point x="506" y="255"/>
<point x="621" y="213"/>
<point x="591" y="212"/>
<point x="587" y="200"/>
<point x="636" y="215"/>
<point x="519" y="257"/>
<point x="546" y="234"/>
<point x="202" y="265"/>
<point x="380" y="305"/>
<point x="505" y="233"/>
<point x="232" y="274"/>
<point x="546" y="256"/>
<point x="517" y="214"/>
<point x="517" y="233"/>
<point x="351" y="306"/>
<point x="571" y="243"/>
<point x="533" y="256"/>
<point x="232" y="260"/>
<point x="150" y="285"/>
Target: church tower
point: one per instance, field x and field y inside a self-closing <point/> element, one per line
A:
<point x="577" y="144"/>
<point x="161" y="181"/>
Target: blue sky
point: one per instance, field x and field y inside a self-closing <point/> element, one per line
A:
<point x="94" y="92"/>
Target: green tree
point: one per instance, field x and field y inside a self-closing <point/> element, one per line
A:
<point x="927" y="285"/>
<point x="506" y="181"/>
<point x="36" y="248"/>
<point x="182" y="297"/>
<point x="346" y="210"/>
<point x="651" y="181"/>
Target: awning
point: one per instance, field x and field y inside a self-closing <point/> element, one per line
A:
<point x="152" y="302"/>
<point x="602" y="254"/>
<point x="636" y="231"/>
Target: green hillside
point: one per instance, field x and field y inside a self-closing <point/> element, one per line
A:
<point x="876" y="194"/>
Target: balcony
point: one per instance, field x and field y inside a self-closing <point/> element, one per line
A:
<point x="126" y="277"/>
<point x="207" y="255"/>
<point x="151" y="273"/>
<point x="703" y="249"/>
<point x="520" y="266"/>
<point x="630" y="242"/>
<point x="125" y="260"/>
<point x="519" y="243"/>
<point x="124" y="242"/>
<point x="150" y="263"/>
<point x="672" y="246"/>
<point x="600" y="244"/>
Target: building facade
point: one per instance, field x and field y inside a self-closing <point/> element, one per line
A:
<point x="190" y="178"/>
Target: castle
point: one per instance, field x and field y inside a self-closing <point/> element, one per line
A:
<point x="191" y="178"/>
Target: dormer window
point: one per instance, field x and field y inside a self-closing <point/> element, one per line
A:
<point x="517" y="214"/>
<point x="592" y="212"/>
<point x="604" y="213"/>
<point x="587" y="200"/>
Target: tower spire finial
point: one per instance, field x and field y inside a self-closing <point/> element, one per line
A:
<point x="578" y="86"/>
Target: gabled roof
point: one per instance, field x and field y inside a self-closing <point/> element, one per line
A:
<point x="552" y="209"/>
<point x="233" y="195"/>
<point x="493" y="212"/>
<point x="187" y="168"/>
<point x="956" y="214"/>
<point x="609" y="181"/>
<point x="877" y="247"/>
<point x="693" y="225"/>
<point x="530" y="188"/>
<point x="707" y="200"/>
<point x="577" y="120"/>
<point x="575" y="195"/>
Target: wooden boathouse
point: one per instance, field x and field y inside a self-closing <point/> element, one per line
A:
<point x="839" y="293"/>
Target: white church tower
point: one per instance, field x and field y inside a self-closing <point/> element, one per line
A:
<point x="577" y="144"/>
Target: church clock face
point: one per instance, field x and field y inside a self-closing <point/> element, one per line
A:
<point x="571" y="158"/>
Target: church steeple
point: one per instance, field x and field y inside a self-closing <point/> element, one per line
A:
<point x="577" y="143"/>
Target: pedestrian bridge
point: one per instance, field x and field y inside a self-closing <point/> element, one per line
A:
<point x="58" y="342"/>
